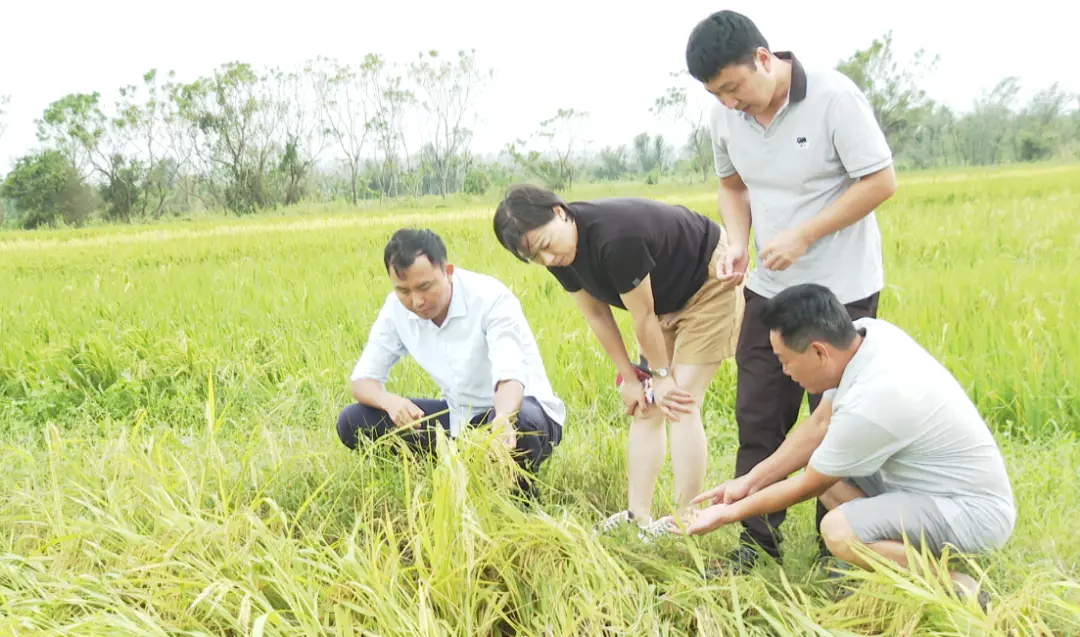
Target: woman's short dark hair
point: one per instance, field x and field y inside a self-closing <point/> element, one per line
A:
<point x="525" y="207"/>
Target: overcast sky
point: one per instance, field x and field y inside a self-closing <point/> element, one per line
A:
<point x="599" y="56"/>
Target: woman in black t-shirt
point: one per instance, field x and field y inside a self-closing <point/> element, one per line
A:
<point x="659" y="262"/>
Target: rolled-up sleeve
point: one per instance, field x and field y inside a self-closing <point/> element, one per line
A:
<point x="508" y="337"/>
<point x="383" y="349"/>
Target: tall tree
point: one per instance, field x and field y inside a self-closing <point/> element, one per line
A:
<point x="894" y="90"/>
<point x="652" y="155"/>
<point x="94" y="144"/>
<point x="985" y="135"/>
<point x="1043" y="125"/>
<point x="304" y="134"/>
<point x="139" y="127"/>
<point x="448" y="90"/>
<point x="188" y="146"/>
<point x="391" y="101"/>
<point x="4" y="101"/>
<point x="613" y="163"/>
<point x="1074" y="126"/>
<point x="343" y="93"/>
<point x="557" y="165"/>
<point x="933" y="143"/>
<point x="563" y="132"/>
<point x="240" y="127"/>
<point x="47" y="189"/>
<point x="76" y="126"/>
<point x="674" y="105"/>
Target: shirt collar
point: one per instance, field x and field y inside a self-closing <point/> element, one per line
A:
<point x="458" y="306"/>
<point x="797" y="90"/>
<point x="860" y="359"/>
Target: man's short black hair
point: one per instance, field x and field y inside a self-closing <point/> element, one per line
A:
<point x="409" y="243"/>
<point x="809" y="312"/>
<point x="525" y="207"/>
<point x="723" y="38"/>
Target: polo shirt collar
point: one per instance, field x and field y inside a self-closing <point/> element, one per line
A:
<point x="797" y="91"/>
<point x="458" y="306"/>
<point x="867" y="350"/>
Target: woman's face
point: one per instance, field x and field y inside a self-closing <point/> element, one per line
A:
<point x="553" y="244"/>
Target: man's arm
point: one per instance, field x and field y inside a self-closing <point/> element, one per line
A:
<point x="733" y="199"/>
<point x="853" y="446"/>
<point x="382" y="351"/>
<point x="372" y="393"/>
<point x="858" y="201"/>
<point x="864" y="151"/>
<point x="778" y="496"/>
<point x="782" y="495"/>
<point x="794" y="453"/>
<point x="509" y="396"/>
<point x="507" y="333"/>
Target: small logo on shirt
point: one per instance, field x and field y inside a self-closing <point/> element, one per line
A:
<point x="801" y="142"/>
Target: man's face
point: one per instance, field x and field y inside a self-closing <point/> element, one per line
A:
<point x="424" y="288"/>
<point x="812" y="369"/>
<point x="746" y="88"/>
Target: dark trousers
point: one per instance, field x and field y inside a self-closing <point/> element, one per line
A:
<point x="767" y="405"/>
<point x="537" y="434"/>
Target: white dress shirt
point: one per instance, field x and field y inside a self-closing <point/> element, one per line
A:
<point x="485" y="339"/>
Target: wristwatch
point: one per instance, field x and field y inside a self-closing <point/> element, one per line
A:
<point x="663" y="372"/>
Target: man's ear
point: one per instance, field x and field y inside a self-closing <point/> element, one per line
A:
<point x="819" y="350"/>
<point x="449" y="269"/>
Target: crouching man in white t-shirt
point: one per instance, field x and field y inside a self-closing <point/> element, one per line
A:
<point x="895" y="449"/>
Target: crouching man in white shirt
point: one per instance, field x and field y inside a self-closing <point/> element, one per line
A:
<point x="896" y="448"/>
<point x="467" y="331"/>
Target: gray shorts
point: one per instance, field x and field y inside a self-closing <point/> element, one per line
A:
<point x="888" y="515"/>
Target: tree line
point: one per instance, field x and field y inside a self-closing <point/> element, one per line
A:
<point x="243" y="139"/>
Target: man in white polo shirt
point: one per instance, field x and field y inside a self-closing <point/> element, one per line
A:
<point x="803" y="161"/>
<point x="468" y="332"/>
<point x="896" y="449"/>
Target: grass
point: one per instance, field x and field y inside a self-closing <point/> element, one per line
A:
<point x="168" y="395"/>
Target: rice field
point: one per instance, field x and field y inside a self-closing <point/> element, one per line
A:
<point x="168" y="396"/>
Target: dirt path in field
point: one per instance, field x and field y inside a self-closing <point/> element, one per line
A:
<point x="153" y="235"/>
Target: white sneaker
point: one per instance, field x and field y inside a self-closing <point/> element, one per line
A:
<point x="613" y="522"/>
<point x="652" y="531"/>
<point x="646" y="533"/>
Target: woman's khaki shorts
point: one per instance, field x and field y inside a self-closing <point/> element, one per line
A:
<point x="706" y="330"/>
